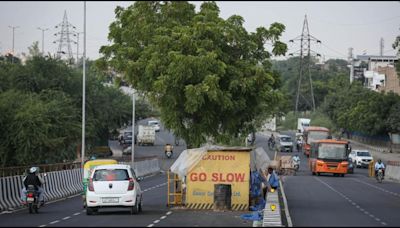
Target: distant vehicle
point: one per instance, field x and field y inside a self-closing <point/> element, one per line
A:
<point x="302" y="123"/>
<point x="146" y="135"/>
<point x="154" y="123"/>
<point x="113" y="186"/>
<point x="284" y="143"/>
<point x="251" y="138"/>
<point x="329" y="156"/>
<point x="312" y="134"/>
<point x="127" y="138"/>
<point x="361" y="158"/>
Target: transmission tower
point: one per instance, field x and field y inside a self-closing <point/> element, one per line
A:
<point x="305" y="64"/>
<point x="65" y="40"/>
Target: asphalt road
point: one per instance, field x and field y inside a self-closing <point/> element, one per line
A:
<point x="155" y="213"/>
<point x="353" y="200"/>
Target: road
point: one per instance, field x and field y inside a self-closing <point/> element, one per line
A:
<point x="155" y="213"/>
<point x="353" y="200"/>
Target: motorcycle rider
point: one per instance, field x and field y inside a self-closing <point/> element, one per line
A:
<point x="34" y="179"/>
<point x="168" y="148"/>
<point x="271" y="140"/>
<point x="296" y="159"/>
<point x="379" y="165"/>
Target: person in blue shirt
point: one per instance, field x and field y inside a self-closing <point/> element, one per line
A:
<point x="273" y="180"/>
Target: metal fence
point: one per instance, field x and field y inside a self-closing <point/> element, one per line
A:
<point x="21" y="170"/>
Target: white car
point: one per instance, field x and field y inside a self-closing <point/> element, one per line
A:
<point x="113" y="186"/>
<point x="154" y="123"/>
<point x="361" y="158"/>
<point x="284" y="143"/>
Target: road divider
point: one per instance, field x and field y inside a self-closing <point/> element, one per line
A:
<point x="393" y="172"/>
<point x="60" y="184"/>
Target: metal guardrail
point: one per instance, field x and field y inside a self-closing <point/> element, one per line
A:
<point x="393" y="163"/>
<point x="21" y="170"/>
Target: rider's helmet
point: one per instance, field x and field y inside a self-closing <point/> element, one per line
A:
<point x="33" y="169"/>
<point x="379" y="161"/>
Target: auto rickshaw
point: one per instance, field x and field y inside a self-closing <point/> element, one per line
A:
<point x="89" y="165"/>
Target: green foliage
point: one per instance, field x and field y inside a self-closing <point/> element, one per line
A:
<point x="208" y="76"/>
<point x="356" y="108"/>
<point x="320" y="74"/>
<point x="40" y="106"/>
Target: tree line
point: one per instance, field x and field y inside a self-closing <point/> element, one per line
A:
<point x="41" y="110"/>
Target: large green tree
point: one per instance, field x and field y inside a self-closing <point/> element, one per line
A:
<point x="40" y="106"/>
<point x="208" y="76"/>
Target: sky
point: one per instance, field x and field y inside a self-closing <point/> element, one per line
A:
<point x="338" y="24"/>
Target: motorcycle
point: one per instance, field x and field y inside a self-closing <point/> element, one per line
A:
<point x="271" y="144"/>
<point x="379" y="175"/>
<point x="32" y="199"/>
<point x="299" y="144"/>
<point x="168" y="150"/>
<point x="296" y="164"/>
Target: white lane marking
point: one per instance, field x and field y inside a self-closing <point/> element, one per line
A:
<point x="156" y="186"/>
<point x="376" y="187"/>
<point x="383" y="223"/>
<point x="342" y="195"/>
<point x="68" y="217"/>
<point x="163" y="217"/>
<point x="54" y="222"/>
<point x="157" y="221"/>
<point x="169" y="212"/>
<point x="77" y="213"/>
<point x="42" y="225"/>
<point x="151" y="225"/>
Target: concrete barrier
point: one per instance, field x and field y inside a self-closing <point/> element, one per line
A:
<point x="58" y="184"/>
<point x="145" y="167"/>
<point x="393" y="172"/>
<point x="272" y="210"/>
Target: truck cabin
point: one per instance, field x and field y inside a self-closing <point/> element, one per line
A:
<point x="312" y="134"/>
<point x="329" y="156"/>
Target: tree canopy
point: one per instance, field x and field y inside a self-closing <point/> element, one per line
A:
<point x="40" y="106"/>
<point x="208" y="76"/>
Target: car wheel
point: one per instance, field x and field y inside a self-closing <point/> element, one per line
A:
<point x="342" y="175"/>
<point x="140" y="207"/>
<point x="89" y="211"/>
<point x="135" y="208"/>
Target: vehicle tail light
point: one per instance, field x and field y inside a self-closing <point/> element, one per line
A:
<point x="131" y="184"/>
<point x="30" y="194"/>
<point x="91" y="188"/>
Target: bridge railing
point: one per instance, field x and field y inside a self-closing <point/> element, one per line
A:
<point x="21" y="170"/>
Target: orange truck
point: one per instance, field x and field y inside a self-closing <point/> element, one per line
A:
<point x="312" y="134"/>
<point x="329" y="156"/>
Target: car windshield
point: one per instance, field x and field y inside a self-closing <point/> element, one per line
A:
<point x="363" y="154"/>
<point x="111" y="175"/>
<point x="286" y="139"/>
<point x="317" y="135"/>
<point x="332" y="151"/>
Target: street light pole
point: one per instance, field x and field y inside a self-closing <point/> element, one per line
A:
<point x="13" y="28"/>
<point x="84" y="84"/>
<point x="43" y="30"/>
<point x="133" y="128"/>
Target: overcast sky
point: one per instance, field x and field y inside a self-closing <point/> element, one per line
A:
<point x="339" y="25"/>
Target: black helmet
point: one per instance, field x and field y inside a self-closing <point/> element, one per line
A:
<point x="379" y="160"/>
